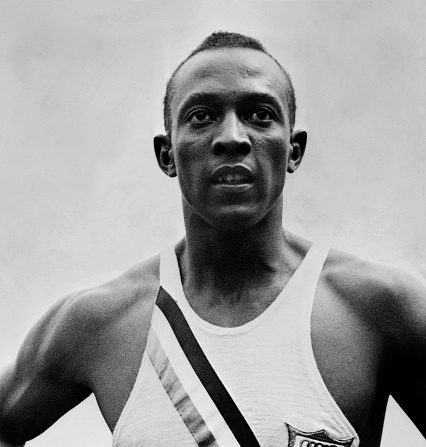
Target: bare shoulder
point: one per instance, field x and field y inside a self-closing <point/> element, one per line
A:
<point x="93" y="309"/>
<point x="67" y="335"/>
<point x="387" y="309"/>
<point x="77" y="340"/>
<point x="392" y="300"/>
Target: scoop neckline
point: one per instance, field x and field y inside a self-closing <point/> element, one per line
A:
<point x="179" y="296"/>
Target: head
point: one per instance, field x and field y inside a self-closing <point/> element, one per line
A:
<point x="229" y="113"/>
<point x="227" y="40"/>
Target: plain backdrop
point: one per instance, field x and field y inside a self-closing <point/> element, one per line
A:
<point x="82" y="199"/>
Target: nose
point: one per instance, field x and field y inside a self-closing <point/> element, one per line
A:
<point x="231" y="137"/>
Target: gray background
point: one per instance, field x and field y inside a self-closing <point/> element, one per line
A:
<point x="82" y="199"/>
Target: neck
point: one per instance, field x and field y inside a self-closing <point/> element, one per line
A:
<point x="234" y="260"/>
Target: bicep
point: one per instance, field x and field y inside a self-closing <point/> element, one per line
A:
<point x="33" y="402"/>
<point x="40" y="387"/>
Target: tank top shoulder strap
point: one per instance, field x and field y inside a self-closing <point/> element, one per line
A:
<point x="299" y="293"/>
<point x="170" y="279"/>
<point x="307" y="274"/>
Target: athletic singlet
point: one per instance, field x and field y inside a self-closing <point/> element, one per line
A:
<point x="252" y="385"/>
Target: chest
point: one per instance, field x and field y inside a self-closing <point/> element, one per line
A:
<point x="345" y="350"/>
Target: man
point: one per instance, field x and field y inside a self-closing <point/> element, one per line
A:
<point x="242" y="334"/>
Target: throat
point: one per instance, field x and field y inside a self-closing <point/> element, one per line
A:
<point x="235" y="291"/>
<point x="230" y="280"/>
<point x="231" y="261"/>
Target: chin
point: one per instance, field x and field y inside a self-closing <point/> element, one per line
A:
<point x="235" y="220"/>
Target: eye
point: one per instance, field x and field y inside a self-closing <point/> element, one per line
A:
<point x="199" y="116"/>
<point x="262" y="115"/>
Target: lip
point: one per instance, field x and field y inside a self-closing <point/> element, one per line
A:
<point x="226" y="170"/>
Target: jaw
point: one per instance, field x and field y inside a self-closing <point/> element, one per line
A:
<point x="231" y="218"/>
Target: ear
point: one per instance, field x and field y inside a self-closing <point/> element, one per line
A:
<point x="298" y="144"/>
<point x="164" y="154"/>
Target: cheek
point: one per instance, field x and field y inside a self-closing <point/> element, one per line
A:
<point x="273" y="164"/>
<point x="274" y="154"/>
<point x="190" y="165"/>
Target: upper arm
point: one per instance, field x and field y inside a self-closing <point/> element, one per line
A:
<point x="43" y="382"/>
<point x="58" y="364"/>
<point x="408" y="355"/>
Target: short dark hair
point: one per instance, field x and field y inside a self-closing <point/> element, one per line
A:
<point x="223" y="39"/>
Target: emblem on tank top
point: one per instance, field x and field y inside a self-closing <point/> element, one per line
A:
<point x="298" y="438"/>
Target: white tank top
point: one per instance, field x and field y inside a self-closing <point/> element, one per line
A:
<point x="266" y="366"/>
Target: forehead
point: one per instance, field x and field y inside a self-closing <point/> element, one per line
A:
<point x="229" y="71"/>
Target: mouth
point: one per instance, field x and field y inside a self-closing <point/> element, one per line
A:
<point x="233" y="176"/>
<point x="232" y="179"/>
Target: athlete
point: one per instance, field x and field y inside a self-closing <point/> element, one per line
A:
<point x="242" y="333"/>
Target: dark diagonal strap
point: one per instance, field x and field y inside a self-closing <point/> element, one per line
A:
<point x="205" y="372"/>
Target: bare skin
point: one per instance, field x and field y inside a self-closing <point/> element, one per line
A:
<point x="99" y="336"/>
<point x="368" y="321"/>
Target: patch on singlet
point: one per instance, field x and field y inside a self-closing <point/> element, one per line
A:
<point x="298" y="438"/>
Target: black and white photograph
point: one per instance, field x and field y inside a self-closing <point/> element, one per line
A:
<point x="212" y="227"/>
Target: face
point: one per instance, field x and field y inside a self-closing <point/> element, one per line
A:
<point x="230" y="144"/>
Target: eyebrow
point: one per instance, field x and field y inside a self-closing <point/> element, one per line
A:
<point x="199" y="97"/>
